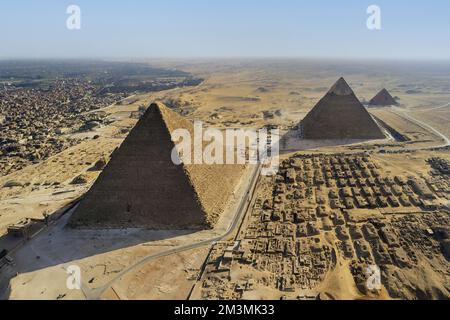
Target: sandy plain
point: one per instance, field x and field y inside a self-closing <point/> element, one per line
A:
<point x="235" y="93"/>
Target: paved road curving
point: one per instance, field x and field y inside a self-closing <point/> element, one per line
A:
<point x="403" y="113"/>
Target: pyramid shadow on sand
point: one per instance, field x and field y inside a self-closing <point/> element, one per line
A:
<point x="60" y="244"/>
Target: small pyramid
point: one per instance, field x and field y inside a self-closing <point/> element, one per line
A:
<point x="340" y="115"/>
<point x="141" y="187"/>
<point x="383" y="98"/>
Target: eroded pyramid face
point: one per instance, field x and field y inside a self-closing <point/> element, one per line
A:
<point x="340" y="115"/>
<point x="383" y="98"/>
<point x="141" y="187"/>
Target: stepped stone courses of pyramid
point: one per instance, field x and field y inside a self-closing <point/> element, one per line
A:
<point x="340" y="115"/>
<point x="141" y="187"/>
<point x="383" y="98"/>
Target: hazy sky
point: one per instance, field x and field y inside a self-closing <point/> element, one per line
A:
<point x="225" y="28"/>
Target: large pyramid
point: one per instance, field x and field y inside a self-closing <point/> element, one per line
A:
<point x="141" y="186"/>
<point x="340" y="115"/>
<point x="383" y="98"/>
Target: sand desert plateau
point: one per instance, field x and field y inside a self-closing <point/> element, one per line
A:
<point x="363" y="183"/>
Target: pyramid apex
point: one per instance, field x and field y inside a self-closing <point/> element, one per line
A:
<point x="157" y="105"/>
<point x="341" y="88"/>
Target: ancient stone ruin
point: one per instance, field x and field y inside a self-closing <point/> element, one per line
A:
<point x="142" y="187"/>
<point x="340" y="115"/>
<point x="383" y="99"/>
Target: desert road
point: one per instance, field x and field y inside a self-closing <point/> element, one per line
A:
<point x="436" y="108"/>
<point x="402" y="113"/>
